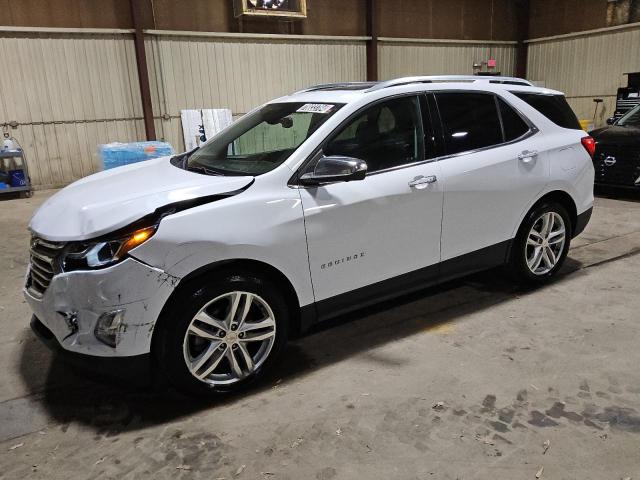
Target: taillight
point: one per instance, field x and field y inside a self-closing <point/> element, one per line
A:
<point x="589" y="145"/>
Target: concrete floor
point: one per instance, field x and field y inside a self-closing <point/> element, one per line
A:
<point x="464" y="381"/>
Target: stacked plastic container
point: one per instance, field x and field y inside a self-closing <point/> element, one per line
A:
<point x="118" y="154"/>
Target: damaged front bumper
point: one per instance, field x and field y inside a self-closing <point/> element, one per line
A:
<point x="74" y="302"/>
<point x="135" y="367"/>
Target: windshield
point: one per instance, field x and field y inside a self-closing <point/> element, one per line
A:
<point x="261" y="140"/>
<point x="631" y="119"/>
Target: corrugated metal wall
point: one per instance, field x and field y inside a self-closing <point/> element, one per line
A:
<point x="397" y="58"/>
<point x="585" y="67"/>
<point x="208" y="71"/>
<point x="72" y="91"/>
<point x="69" y="92"/>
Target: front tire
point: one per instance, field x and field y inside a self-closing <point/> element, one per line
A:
<point x="218" y="336"/>
<point x="542" y="243"/>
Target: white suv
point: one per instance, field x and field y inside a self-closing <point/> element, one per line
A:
<point x="202" y="265"/>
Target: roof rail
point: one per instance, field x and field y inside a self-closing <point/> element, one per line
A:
<point x="450" y="78"/>
<point x="335" y="86"/>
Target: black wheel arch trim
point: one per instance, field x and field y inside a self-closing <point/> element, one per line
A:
<point x="582" y="221"/>
<point x="563" y="198"/>
<point x="298" y="323"/>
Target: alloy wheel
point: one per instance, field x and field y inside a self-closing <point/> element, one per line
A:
<point x="545" y="243"/>
<point x="229" y="338"/>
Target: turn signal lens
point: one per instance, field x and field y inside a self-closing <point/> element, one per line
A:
<point x="589" y="145"/>
<point x="137" y="238"/>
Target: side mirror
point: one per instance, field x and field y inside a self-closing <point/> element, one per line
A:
<point x="335" y="169"/>
<point x="611" y="120"/>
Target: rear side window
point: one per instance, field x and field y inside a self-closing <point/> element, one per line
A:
<point x="554" y="107"/>
<point x="470" y="121"/>
<point x="513" y="124"/>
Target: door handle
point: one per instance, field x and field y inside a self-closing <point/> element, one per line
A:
<point x="527" y="155"/>
<point x="421" y="181"/>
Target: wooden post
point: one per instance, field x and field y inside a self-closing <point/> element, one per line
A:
<point x="372" y="44"/>
<point x="143" y="72"/>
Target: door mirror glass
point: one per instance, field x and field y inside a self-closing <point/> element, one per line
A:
<point x="611" y="120"/>
<point x="335" y="169"/>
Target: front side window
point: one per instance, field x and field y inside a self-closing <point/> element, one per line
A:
<point x="631" y="118"/>
<point x="262" y="140"/>
<point x="386" y="135"/>
<point x="470" y="121"/>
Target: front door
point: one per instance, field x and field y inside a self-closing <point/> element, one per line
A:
<point x="366" y="238"/>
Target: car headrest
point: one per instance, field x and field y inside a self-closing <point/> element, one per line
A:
<point x="367" y="132"/>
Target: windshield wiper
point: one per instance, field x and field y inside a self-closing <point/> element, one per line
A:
<point x="180" y="160"/>
<point x="202" y="169"/>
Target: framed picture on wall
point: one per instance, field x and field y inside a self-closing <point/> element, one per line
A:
<point x="271" y="8"/>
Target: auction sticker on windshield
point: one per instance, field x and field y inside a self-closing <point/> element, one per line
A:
<point x="316" y="108"/>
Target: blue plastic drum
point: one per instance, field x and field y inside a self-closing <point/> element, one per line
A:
<point x="17" y="178"/>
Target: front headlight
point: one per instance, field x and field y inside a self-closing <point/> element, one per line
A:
<point x="104" y="252"/>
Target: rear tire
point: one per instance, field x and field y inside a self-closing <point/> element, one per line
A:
<point x="220" y="335"/>
<point x="542" y="243"/>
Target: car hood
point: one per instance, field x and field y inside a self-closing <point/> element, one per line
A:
<point x="109" y="200"/>
<point x="617" y="135"/>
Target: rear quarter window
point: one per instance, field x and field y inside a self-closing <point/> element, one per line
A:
<point x="554" y="107"/>
<point x="512" y="124"/>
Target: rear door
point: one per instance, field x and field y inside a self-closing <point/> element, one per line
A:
<point x="491" y="173"/>
<point x="369" y="238"/>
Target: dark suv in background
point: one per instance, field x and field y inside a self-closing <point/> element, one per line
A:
<point x="617" y="157"/>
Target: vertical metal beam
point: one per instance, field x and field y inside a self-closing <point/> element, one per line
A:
<point x="143" y="72"/>
<point x="522" y="29"/>
<point x="372" y="44"/>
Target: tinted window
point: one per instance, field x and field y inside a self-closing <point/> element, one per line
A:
<point x="386" y="135"/>
<point x="513" y="124"/>
<point x="554" y="107"/>
<point x="470" y="121"/>
<point x="631" y="118"/>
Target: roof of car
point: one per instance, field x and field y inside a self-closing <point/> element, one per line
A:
<point x="351" y="91"/>
<point x="372" y="86"/>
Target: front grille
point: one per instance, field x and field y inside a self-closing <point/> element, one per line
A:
<point x="43" y="264"/>
<point x="626" y="169"/>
